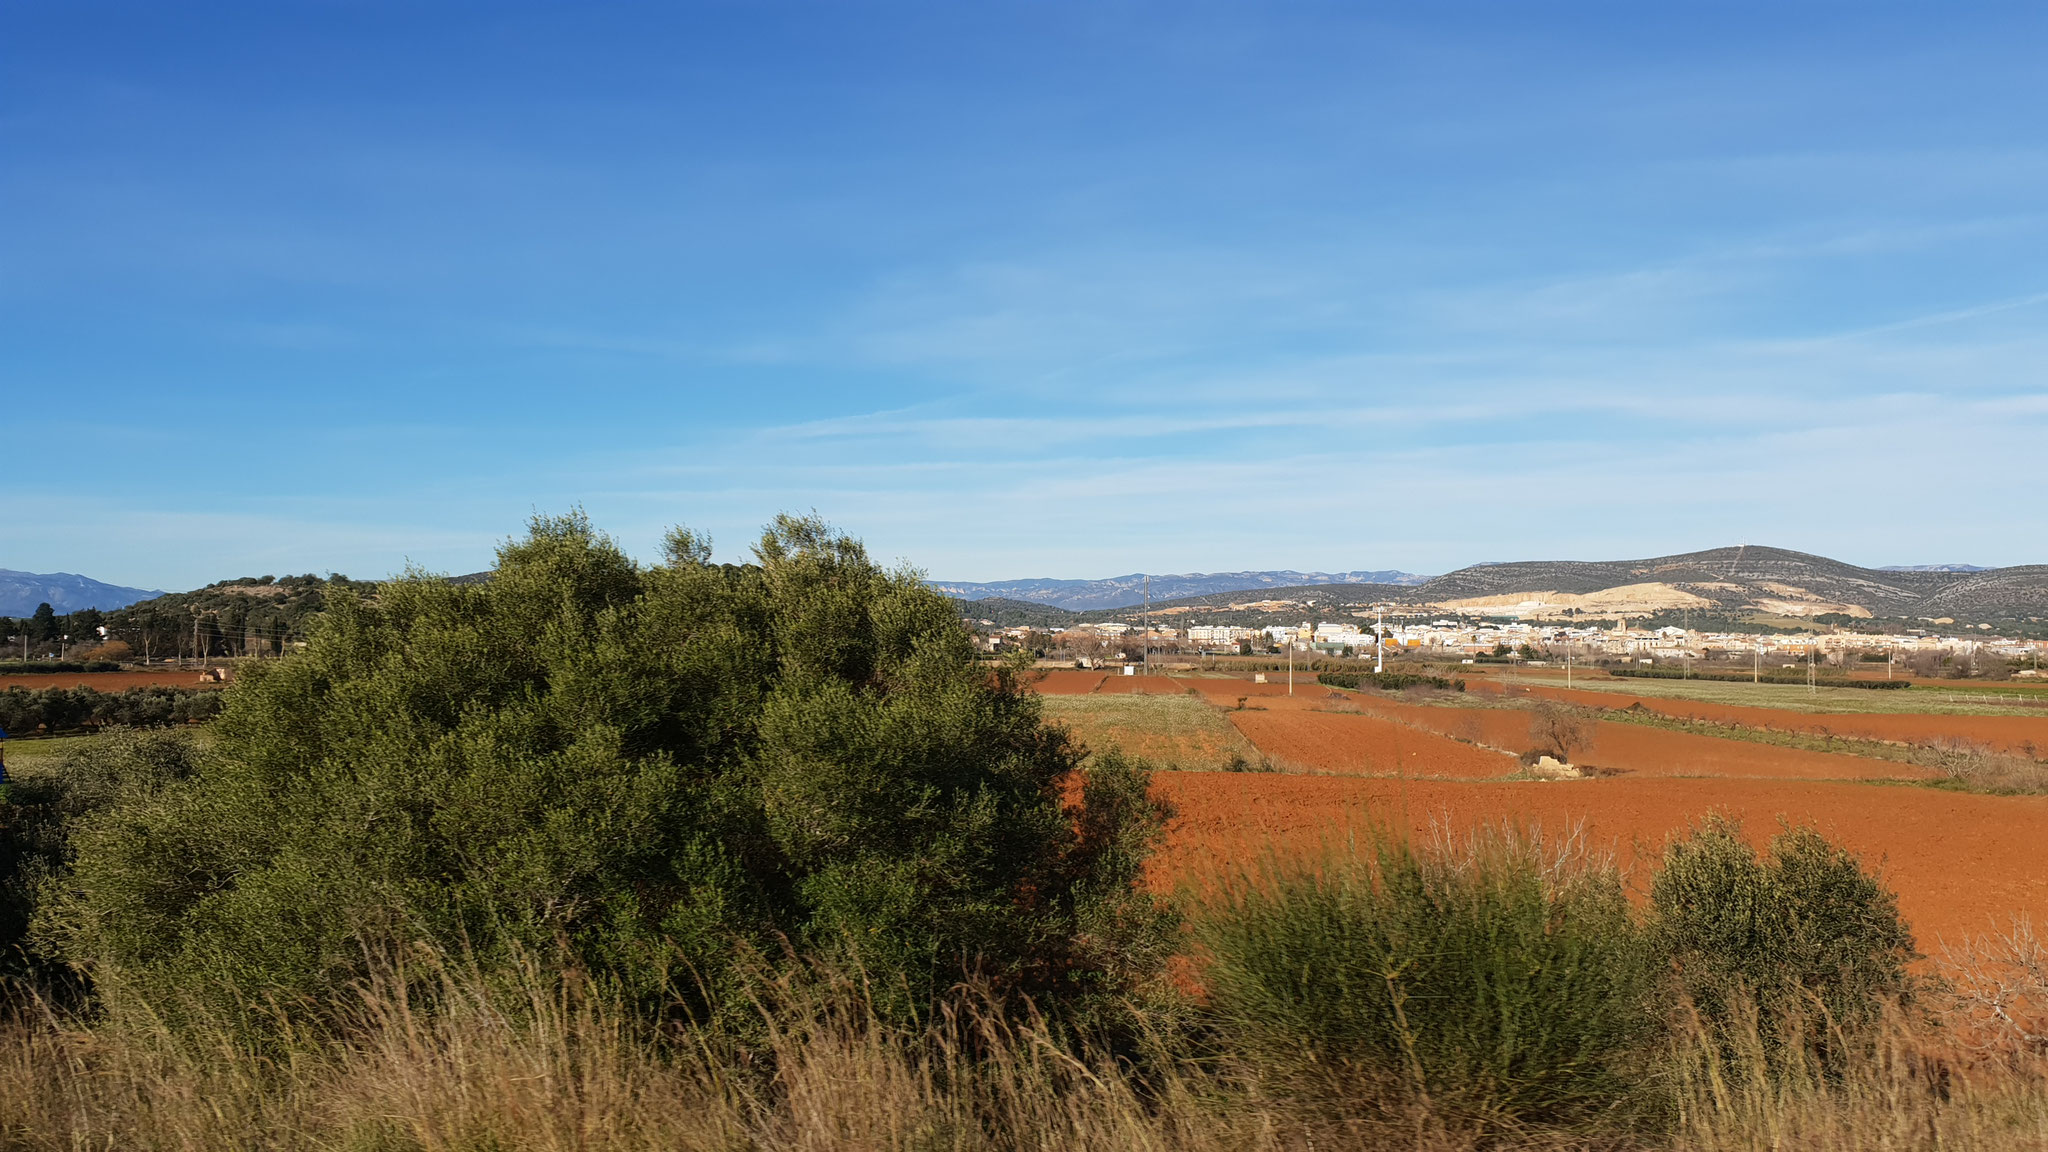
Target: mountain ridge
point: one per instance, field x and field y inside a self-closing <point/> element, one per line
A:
<point x="1125" y="591"/>
<point x="1738" y="580"/>
<point x="64" y="592"/>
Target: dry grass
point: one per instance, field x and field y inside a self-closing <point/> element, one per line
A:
<point x="544" y="1069"/>
<point x="537" y="1063"/>
<point x="1181" y="731"/>
<point x="1976" y="767"/>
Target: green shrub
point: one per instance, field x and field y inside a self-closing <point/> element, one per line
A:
<point x="1802" y="928"/>
<point x="1494" y="985"/>
<point x="45" y="805"/>
<point x="653" y="771"/>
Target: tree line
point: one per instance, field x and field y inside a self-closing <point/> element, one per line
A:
<point x="246" y="616"/>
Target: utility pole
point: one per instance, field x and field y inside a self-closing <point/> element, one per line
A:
<point x="1290" y="661"/>
<point x="1379" y="639"/>
<point x="1756" y="668"/>
<point x="1148" y="626"/>
<point x="1812" y="689"/>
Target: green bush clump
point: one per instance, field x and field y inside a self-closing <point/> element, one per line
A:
<point x="1496" y="985"/>
<point x="1504" y="985"/>
<point x="657" y="773"/>
<point x="1803" y="927"/>
<point x="44" y="806"/>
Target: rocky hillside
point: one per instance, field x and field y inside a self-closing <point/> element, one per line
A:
<point x="1743" y="579"/>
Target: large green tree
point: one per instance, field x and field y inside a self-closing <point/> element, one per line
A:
<point x="42" y="625"/>
<point x="655" y="769"/>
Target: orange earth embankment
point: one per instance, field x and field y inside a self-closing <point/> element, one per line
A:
<point x="1961" y="864"/>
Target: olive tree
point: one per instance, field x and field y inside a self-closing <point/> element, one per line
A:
<point x="656" y="771"/>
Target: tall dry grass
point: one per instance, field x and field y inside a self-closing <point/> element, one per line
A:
<point x="540" y="1064"/>
<point x="537" y="1062"/>
<point x="1910" y="1088"/>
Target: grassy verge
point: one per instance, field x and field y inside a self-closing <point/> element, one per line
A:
<point x="32" y="755"/>
<point x="1179" y="732"/>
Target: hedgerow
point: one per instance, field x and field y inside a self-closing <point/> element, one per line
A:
<point x="1756" y="678"/>
<point x="1390" y="681"/>
<point x="49" y="711"/>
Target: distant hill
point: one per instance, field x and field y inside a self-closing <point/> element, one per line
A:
<point x="1745" y="579"/>
<point x="64" y="592"/>
<point x="1730" y="585"/>
<point x="230" y="617"/>
<point x="1124" y="591"/>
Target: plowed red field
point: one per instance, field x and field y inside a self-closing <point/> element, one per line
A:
<point x="1651" y="751"/>
<point x="1225" y="693"/>
<point x="2006" y="733"/>
<point x="1960" y="863"/>
<point x="109" y="681"/>
<point x="1068" y="682"/>
<point x="1364" y="745"/>
<point x="1080" y="682"/>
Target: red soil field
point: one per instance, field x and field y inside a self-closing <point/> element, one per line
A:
<point x="1961" y="864"/>
<point x="1226" y="692"/>
<point x="1624" y="747"/>
<point x="1081" y="682"/>
<point x="2005" y="733"/>
<point x="1066" y="682"/>
<point x="1636" y="749"/>
<point x="1143" y="685"/>
<point x="109" y="681"/>
<point x="1355" y="744"/>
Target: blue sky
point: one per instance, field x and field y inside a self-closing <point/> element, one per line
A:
<point x="1012" y="290"/>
